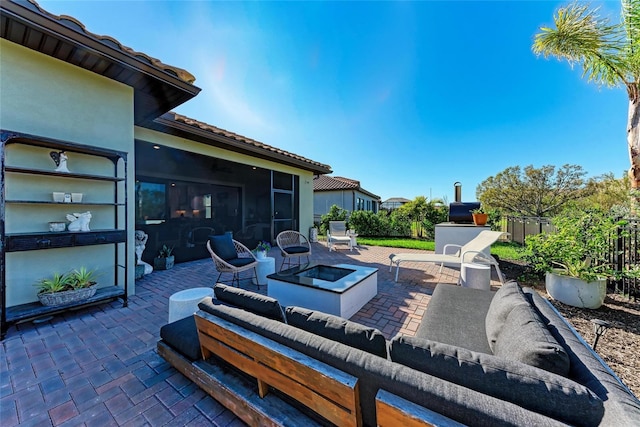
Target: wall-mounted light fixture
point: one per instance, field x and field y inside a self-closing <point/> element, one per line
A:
<point x="156" y="147"/>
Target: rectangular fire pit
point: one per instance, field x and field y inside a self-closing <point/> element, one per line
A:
<point x="341" y="289"/>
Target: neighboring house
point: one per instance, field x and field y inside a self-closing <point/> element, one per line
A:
<point x="393" y="203"/>
<point x="343" y="192"/>
<point x="181" y="179"/>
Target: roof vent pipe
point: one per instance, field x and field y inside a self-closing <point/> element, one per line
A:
<point x="457" y="186"/>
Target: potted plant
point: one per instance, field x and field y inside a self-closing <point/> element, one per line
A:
<point x="262" y="249"/>
<point x="164" y="260"/>
<point x="480" y="217"/>
<point x="67" y="288"/>
<point x="573" y="257"/>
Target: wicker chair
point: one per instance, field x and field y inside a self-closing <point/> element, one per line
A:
<point x="293" y="244"/>
<point x="242" y="261"/>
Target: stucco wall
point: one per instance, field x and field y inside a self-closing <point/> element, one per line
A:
<point x="306" y="177"/>
<point x="47" y="97"/>
<point x="323" y="200"/>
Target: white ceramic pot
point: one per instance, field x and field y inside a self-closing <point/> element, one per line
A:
<point x="576" y="292"/>
<point x="261" y="254"/>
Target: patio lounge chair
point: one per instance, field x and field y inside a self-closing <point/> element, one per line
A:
<point x="472" y="251"/>
<point x="293" y="244"/>
<point x="231" y="256"/>
<point x="337" y="234"/>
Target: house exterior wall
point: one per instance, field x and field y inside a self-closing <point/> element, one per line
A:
<point x="345" y="199"/>
<point x="306" y="177"/>
<point x="323" y="200"/>
<point x="47" y="97"/>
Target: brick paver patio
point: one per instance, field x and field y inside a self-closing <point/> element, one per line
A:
<point x="98" y="366"/>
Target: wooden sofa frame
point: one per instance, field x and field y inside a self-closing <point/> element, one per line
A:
<point x="325" y="390"/>
<point x="328" y="391"/>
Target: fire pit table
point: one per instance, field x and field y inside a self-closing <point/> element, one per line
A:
<point x="340" y="289"/>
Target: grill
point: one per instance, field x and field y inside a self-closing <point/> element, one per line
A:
<point x="460" y="212"/>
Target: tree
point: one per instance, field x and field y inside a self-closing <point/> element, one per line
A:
<point x="607" y="192"/>
<point x="609" y="54"/>
<point x="534" y="192"/>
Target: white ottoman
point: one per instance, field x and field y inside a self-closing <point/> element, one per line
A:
<point x="476" y="276"/>
<point x="184" y="303"/>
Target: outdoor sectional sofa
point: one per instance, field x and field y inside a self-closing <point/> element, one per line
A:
<point x="478" y="358"/>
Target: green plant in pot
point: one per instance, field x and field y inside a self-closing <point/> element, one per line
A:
<point x="67" y="288"/>
<point x="574" y="257"/>
<point x="165" y="259"/>
<point x="480" y="217"/>
<point x="262" y="248"/>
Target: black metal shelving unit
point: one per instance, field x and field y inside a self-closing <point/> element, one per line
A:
<point x="37" y="241"/>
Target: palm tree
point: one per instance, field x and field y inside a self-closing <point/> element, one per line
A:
<point x="609" y="54"/>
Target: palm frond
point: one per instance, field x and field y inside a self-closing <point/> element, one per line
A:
<point x="581" y="36"/>
<point x="631" y="23"/>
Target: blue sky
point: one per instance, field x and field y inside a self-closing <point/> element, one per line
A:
<point x="406" y="97"/>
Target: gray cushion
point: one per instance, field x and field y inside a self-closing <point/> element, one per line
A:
<point x="375" y="373"/>
<point x="338" y="329"/>
<point x="515" y="382"/>
<point x="621" y="406"/>
<point x="508" y="296"/>
<point x="223" y="246"/>
<point x="250" y="301"/>
<point x="182" y="335"/>
<point x="525" y="338"/>
<point x="456" y="316"/>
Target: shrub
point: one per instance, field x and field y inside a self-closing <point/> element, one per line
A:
<point x="336" y="213"/>
<point x="579" y="247"/>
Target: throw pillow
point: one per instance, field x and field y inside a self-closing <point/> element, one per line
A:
<point x="523" y="385"/>
<point x="182" y="335"/>
<point x="223" y="246"/>
<point x="525" y="338"/>
<point x="505" y="299"/>
<point x="250" y="301"/>
<point x="338" y="329"/>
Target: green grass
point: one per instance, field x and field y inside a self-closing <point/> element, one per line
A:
<point x="504" y="250"/>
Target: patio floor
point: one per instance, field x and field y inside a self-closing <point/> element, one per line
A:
<point x="98" y="366"/>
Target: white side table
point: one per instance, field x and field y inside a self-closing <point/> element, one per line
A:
<point x="266" y="266"/>
<point x="184" y="303"/>
<point x="477" y="276"/>
<point x="353" y="242"/>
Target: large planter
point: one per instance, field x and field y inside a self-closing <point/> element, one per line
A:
<point x="67" y="297"/>
<point x="164" y="263"/>
<point x="575" y="292"/>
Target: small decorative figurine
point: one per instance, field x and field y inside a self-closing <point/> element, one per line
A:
<point x="79" y="221"/>
<point x="141" y="244"/>
<point x="60" y="157"/>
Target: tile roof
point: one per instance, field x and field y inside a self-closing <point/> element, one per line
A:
<point x="397" y="200"/>
<point x="157" y="87"/>
<point x="246" y="143"/>
<point x="74" y="24"/>
<point x="329" y="183"/>
<point x="337" y="183"/>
